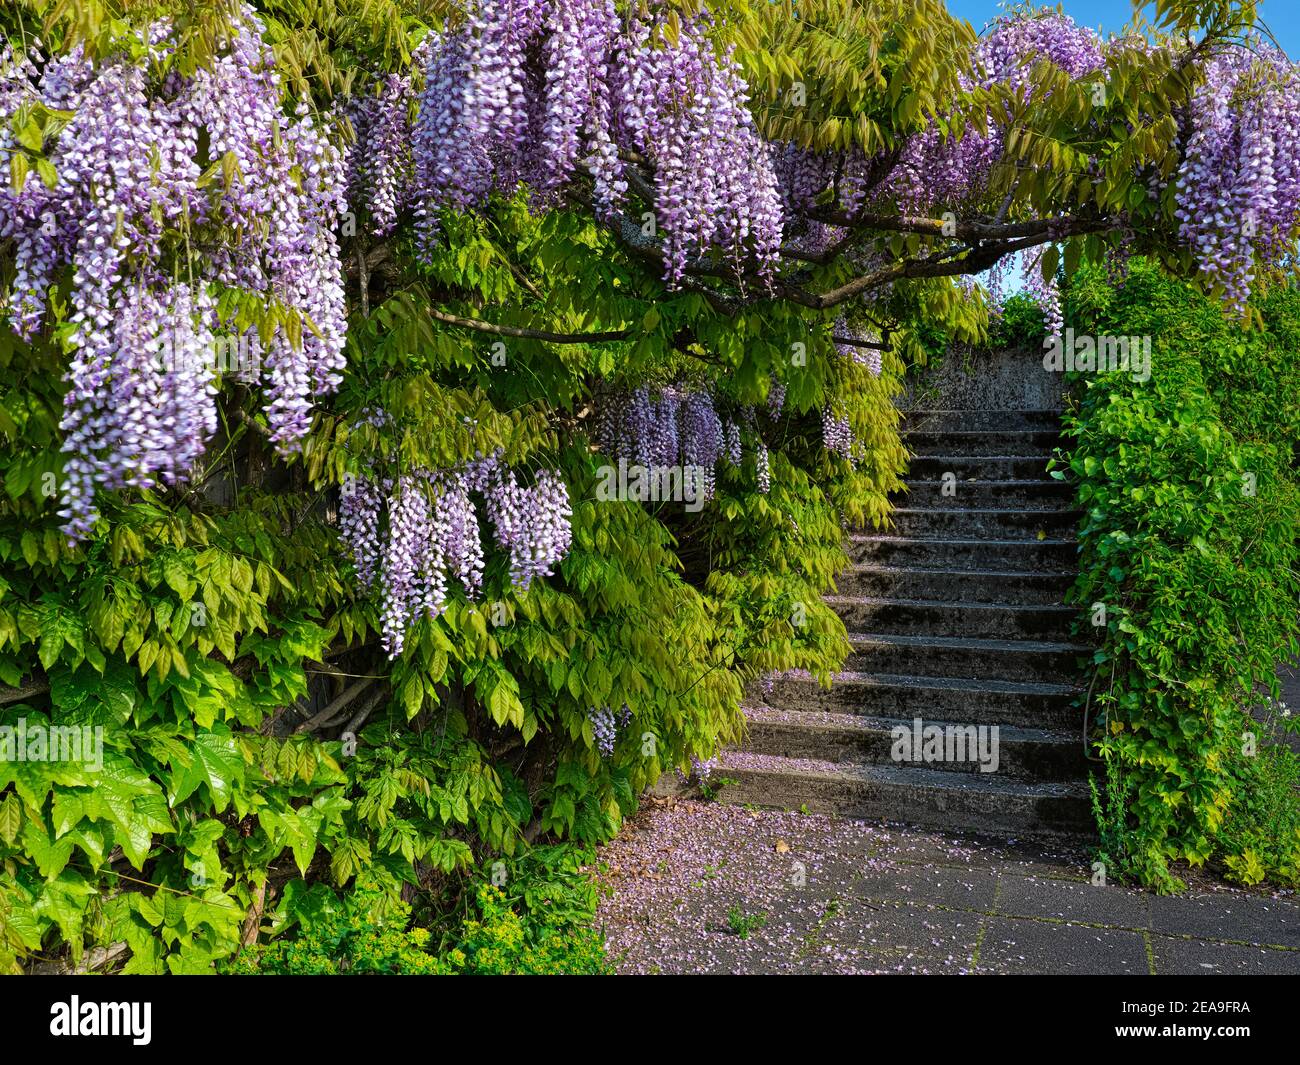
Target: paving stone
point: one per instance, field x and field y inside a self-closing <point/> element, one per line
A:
<point x="1228" y="915"/>
<point x="705" y="939"/>
<point x="903" y="843"/>
<point x="891" y="937"/>
<point x="1046" y="948"/>
<point x="888" y="900"/>
<point x="1078" y="901"/>
<point x="1204" y="957"/>
<point x="968" y="889"/>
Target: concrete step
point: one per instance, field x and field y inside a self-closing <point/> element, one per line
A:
<point x="993" y="467"/>
<point x="1035" y="442"/>
<point x="973" y="420"/>
<point x="1022" y="753"/>
<point x="973" y="802"/>
<point x="949" y="553"/>
<point x="977" y="523"/>
<point x="1040" y="661"/>
<point x="1029" y="704"/>
<point x="991" y="495"/>
<point x="921" y="617"/>
<point x="954" y="585"/>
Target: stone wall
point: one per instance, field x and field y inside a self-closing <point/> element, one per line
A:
<point x="1013" y="379"/>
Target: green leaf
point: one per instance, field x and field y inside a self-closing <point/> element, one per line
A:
<point x="297" y="828"/>
<point x="18" y="169"/>
<point x="11" y="818"/>
<point x="28" y="134"/>
<point x="47" y="172"/>
<point x="215" y="761"/>
<point x="50" y="855"/>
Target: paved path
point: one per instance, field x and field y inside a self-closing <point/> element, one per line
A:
<point x="702" y="887"/>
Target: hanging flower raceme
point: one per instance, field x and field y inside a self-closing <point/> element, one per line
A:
<point x="936" y="170"/>
<point x="127" y="176"/>
<point x="432" y="535"/>
<point x="837" y="434"/>
<point x="850" y="343"/>
<point x="488" y="120"/>
<point x="677" y="427"/>
<point x="1238" y="191"/>
<point x="776" y="399"/>
<point x="606" y="726"/>
<point x="379" y="166"/>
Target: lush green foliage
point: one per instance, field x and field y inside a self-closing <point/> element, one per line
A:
<point x="1019" y="324"/>
<point x="1189" y="540"/>
<point x="542" y="923"/>
<point x="197" y="624"/>
<point x="353" y="939"/>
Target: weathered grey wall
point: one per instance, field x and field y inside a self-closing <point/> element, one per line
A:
<point x="1013" y="379"/>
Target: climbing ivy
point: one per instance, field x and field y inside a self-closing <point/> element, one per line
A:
<point x="1189" y="559"/>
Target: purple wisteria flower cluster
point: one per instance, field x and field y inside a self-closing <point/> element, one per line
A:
<point x="676" y="426"/>
<point x="701" y="770"/>
<point x="860" y="356"/>
<point x="432" y="534"/>
<point x="1238" y="190"/>
<point x="379" y="166"/>
<point x="837" y="434"/>
<point x="151" y="233"/>
<point x="776" y="399"/>
<point x="937" y="171"/>
<point x="606" y="726"/>
<point x="537" y="91"/>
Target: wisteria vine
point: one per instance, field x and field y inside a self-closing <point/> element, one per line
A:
<point x="410" y="535"/>
<point x="127" y="174"/>
<point x="490" y="120"/>
<point x="676" y="426"/>
<point x="1238" y="190"/>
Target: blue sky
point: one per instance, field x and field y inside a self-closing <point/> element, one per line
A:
<point x="1281" y="16"/>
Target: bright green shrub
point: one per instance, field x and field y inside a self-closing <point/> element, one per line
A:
<point x="1189" y="540"/>
<point x="364" y="933"/>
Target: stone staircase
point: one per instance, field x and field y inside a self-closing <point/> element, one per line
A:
<point x="955" y="617"/>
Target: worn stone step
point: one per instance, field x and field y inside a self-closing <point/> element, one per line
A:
<point x="921" y="617"/>
<point x="1027" y="555"/>
<point x="993" y="467"/>
<point x="1030" y="704"/>
<point x="1042" y="661"/>
<point x="954" y="585"/>
<point x="1024" y="753"/>
<point x="973" y="802"/>
<point x="978" y="523"/>
<point x="1030" y="442"/>
<point x="980" y="420"/>
<point x="991" y="495"/>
